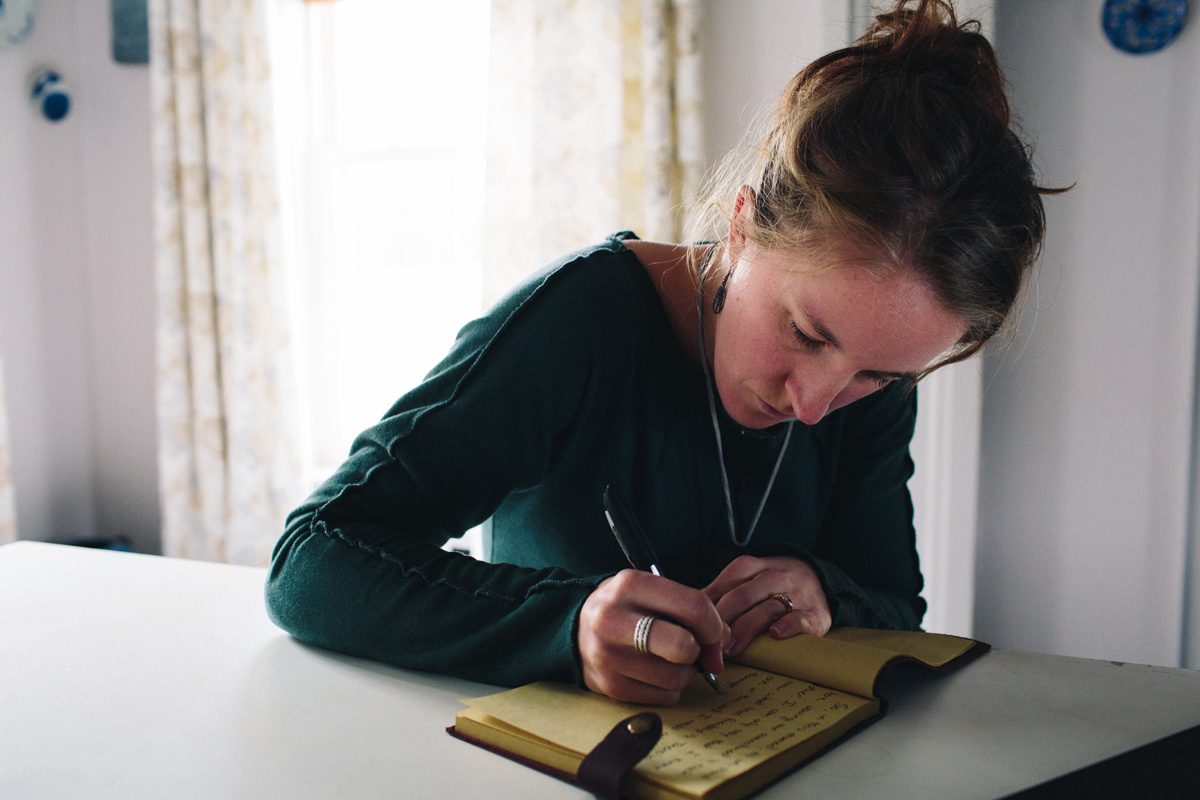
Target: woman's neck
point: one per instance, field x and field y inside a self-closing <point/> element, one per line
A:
<point x="669" y="270"/>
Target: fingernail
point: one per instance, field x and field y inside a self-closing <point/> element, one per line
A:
<point x="730" y="647"/>
<point x="776" y="631"/>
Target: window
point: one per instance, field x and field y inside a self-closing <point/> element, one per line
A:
<point x="381" y="123"/>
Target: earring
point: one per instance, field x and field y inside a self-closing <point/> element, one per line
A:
<point x="719" y="295"/>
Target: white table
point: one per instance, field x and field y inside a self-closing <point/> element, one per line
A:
<point x="130" y="676"/>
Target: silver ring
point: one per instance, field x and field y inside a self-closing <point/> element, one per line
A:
<point x="641" y="634"/>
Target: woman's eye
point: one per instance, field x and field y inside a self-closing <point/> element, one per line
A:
<point x="880" y="381"/>
<point x="805" y="340"/>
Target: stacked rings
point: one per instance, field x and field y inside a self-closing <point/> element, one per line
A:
<point x="641" y="634"/>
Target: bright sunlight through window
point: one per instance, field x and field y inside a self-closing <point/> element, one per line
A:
<point x="381" y="116"/>
<point x="382" y="110"/>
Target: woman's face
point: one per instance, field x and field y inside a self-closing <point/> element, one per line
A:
<point x="794" y="341"/>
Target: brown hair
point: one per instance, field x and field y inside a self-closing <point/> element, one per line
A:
<point x="901" y="146"/>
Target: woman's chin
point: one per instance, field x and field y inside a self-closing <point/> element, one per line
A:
<point x="757" y="415"/>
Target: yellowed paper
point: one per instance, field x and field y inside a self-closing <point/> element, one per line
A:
<point x="850" y="659"/>
<point x="934" y="649"/>
<point x="708" y="739"/>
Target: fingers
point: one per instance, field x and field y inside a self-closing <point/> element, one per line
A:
<point x="649" y="594"/>
<point x="645" y="669"/>
<point x="712" y="657"/>
<point x="800" y="621"/>
<point x="743" y="596"/>
<point x="740" y="570"/>
<point x="685" y="627"/>
<point x="750" y="596"/>
<point x="666" y="640"/>
<point x="753" y="621"/>
<point x="628" y="690"/>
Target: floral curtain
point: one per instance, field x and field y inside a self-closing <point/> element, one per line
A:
<point x="594" y="126"/>
<point x="227" y="470"/>
<point x="8" y="513"/>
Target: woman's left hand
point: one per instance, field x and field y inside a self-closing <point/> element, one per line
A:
<point x="743" y="593"/>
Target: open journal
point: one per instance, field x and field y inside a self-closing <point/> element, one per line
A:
<point x="784" y="702"/>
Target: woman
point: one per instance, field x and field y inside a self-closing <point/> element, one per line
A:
<point x="752" y="397"/>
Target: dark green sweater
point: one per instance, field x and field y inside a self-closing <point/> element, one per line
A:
<point x="572" y="382"/>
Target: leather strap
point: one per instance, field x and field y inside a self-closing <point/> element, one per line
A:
<point x="625" y="745"/>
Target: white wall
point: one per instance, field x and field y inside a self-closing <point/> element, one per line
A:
<point x="1087" y="418"/>
<point x="76" y="291"/>
<point x="749" y="50"/>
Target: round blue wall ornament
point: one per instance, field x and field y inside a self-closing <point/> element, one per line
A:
<point x="1143" y="26"/>
<point x="50" y="95"/>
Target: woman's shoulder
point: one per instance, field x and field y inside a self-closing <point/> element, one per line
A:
<point x="587" y="314"/>
<point x="599" y="289"/>
<point x="585" y="280"/>
<point x="595" y="304"/>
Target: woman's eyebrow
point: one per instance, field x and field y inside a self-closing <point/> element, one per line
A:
<point x="820" y="329"/>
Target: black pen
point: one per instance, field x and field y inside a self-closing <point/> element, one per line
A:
<point x="637" y="549"/>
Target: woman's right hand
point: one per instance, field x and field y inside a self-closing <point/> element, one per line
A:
<point x="686" y="629"/>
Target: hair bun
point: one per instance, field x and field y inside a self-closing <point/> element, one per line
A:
<point x="925" y="36"/>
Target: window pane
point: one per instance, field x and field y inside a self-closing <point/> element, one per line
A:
<point x="382" y="119"/>
<point x="395" y="325"/>
<point x="410" y="73"/>
<point x="406" y="213"/>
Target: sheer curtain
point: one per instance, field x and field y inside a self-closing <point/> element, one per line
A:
<point x="8" y="513"/>
<point x="593" y="127"/>
<point x="227" y="471"/>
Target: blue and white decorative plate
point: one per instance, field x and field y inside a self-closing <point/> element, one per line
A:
<point x="1143" y="26"/>
<point x="16" y="21"/>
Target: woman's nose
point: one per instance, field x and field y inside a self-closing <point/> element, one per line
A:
<point x="812" y="395"/>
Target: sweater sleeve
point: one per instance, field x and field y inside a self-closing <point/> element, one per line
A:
<point x="866" y="553"/>
<point x="359" y="568"/>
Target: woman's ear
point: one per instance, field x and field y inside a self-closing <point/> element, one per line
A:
<point x="741" y="221"/>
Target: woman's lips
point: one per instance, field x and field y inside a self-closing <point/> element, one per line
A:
<point x="775" y="412"/>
